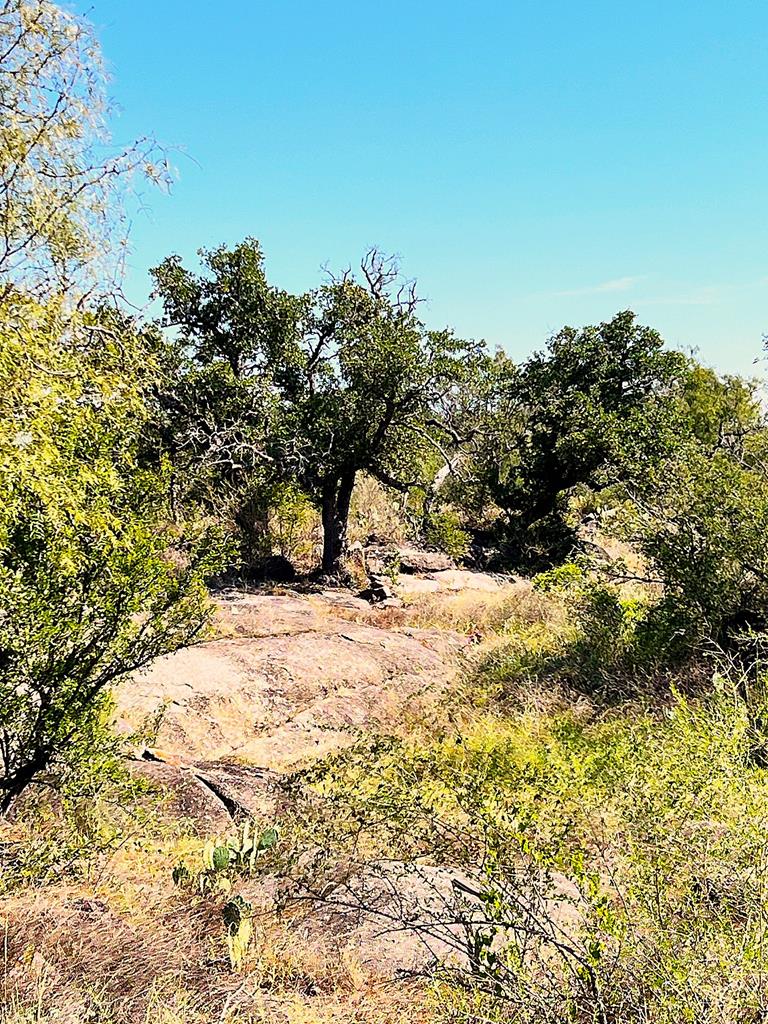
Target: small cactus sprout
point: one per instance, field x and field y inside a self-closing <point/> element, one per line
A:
<point x="181" y="875"/>
<point x="208" y="849"/>
<point x="238" y="915"/>
<point x="267" y="840"/>
<point x="221" y="858"/>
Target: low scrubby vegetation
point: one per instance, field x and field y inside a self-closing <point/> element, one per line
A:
<point x="606" y="861"/>
<point x="612" y="862"/>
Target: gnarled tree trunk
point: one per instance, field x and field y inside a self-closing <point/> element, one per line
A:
<point x="336" y="498"/>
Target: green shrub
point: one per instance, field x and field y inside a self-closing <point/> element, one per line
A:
<point x="67" y="828"/>
<point x="702" y="526"/>
<point x="291" y="523"/>
<point x="559" y="579"/>
<point x="603" y="642"/>
<point x="443" y="530"/>
<point x="94" y="581"/>
<point x="270" y="519"/>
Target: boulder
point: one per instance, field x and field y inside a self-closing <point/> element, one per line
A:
<point x="213" y="794"/>
<point x="379" y="590"/>
<point x="447" y="580"/>
<point x="380" y="559"/>
<point x="414" y="560"/>
<point x="344" y="601"/>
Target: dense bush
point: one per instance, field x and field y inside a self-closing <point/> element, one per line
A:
<point x="702" y="526"/>
<point x="599" y="404"/>
<point x="600" y="409"/>
<point x="443" y="530"/>
<point x="89" y="587"/>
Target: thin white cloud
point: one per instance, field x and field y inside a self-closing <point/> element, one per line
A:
<point x="618" y="284"/>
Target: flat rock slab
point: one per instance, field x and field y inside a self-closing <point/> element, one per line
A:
<point x="306" y="684"/>
<point x="395" y="918"/>
<point x="401" y="918"/>
<point x="266" y="615"/>
<point x="414" y="560"/>
<point x="464" y="579"/>
<point x="415" y="586"/>
<point x="447" y="580"/>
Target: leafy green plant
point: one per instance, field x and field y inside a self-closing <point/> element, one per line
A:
<point x="609" y="868"/>
<point x="60" y="180"/>
<point x="99" y="806"/>
<point x="600" y="643"/>
<point x="600" y="408"/>
<point x="560" y="579"/>
<point x="291" y="521"/>
<point x="702" y="524"/>
<point x="598" y="405"/>
<point x="444" y="531"/>
<point x="94" y="582"/>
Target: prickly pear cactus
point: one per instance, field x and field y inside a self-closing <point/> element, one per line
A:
<point x="216" y="855"/>
<point x="248" y="844"/>
<point x="223" y="859"/>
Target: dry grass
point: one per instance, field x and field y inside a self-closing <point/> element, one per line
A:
<point x="474" y="613"/>
<point x="374" y="510"/>
<point x="128" y="947"/>
<point x="469" y="611"/>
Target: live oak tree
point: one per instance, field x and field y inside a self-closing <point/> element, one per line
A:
<point x="377" y="391"/>
<point x="600" y="403"/>
<point x="343" y="379"/>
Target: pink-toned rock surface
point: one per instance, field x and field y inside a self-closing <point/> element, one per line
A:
<point x="294" y="682"/>
<point x="213" y="794"/>
<point x="446" y="580"/>
<point x="465" y="579"/>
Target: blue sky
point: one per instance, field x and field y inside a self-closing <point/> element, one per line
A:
<point x="533" y="163"/>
